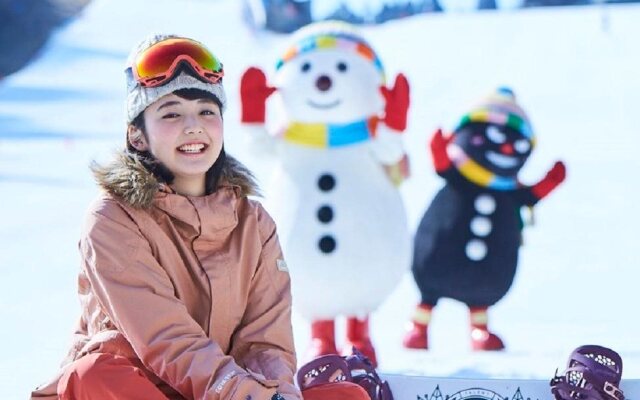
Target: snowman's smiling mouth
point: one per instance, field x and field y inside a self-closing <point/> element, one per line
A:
<point x="324" y="105"/>
<point x="501" y="160"/>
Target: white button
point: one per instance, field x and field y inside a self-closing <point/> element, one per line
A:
<point x="476" y="250"/>
<point x="485" y="204"/>
<point x="480" y="226"/>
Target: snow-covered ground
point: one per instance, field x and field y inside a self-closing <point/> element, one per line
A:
<point x="576" y="71"/>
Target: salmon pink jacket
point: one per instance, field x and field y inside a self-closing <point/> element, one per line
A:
<point x="195" y="290"/>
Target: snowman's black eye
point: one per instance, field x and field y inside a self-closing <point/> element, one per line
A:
<point x="342" y="67"/>
<point x="305" y="67"/>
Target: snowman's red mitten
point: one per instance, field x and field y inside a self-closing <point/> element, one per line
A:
<point x="438" y="145"/>
<point x="253" y="94"/>
<point x="396" y="103"/>
<point x="554" y="177"/>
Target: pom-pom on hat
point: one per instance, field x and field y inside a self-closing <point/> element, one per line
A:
<point x="500" y="108"/>
<point x="139" y="97"/>
<point x="330" y="35"/>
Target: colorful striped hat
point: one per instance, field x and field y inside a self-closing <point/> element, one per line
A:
<point x="500" y="108"/>
<point x="328" y="35"/>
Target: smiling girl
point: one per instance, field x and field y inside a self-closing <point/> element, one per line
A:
<point x="184" y="290"/>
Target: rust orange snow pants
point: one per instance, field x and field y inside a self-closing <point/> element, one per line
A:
<point x="110" y="377"/>
<point x="106" y="377"/>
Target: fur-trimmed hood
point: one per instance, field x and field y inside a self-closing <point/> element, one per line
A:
<point x="127" y="178"/>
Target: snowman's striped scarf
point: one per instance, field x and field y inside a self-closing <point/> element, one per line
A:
<point x="330" y="135"/>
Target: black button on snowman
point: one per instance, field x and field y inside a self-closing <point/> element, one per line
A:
<point x="327" y="243"/>
<point x="325" y="214"/>
<point x="466" y="246"/>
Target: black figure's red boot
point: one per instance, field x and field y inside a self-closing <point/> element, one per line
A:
<point x="481" y="338"/>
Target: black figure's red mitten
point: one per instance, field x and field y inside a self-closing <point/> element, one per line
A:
<point x="438" y="144"/>
<point x="554" y="177"/>
<point x="396" y="103"/>
<point x="253" y="94"/>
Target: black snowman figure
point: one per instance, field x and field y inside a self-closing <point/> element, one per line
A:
<point x="466" y="246"/>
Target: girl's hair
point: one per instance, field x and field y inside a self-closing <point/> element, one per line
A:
<point x="159" y="170"/>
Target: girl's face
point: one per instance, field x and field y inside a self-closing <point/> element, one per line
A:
<point x="185" y="136"/>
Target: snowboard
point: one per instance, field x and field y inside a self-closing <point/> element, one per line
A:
<point x="407" y="387"/>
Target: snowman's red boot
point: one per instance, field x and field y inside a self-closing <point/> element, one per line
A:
<point x="417" y="337"/>
<point x="323" y="340"/>
<point x="358" y="337"/>
<point x="481" y="338"/>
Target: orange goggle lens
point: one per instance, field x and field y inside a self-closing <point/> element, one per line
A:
<point x="157" y="64"/>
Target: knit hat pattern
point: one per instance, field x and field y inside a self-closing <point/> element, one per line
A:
<point x="330" y="35"/>
<point x="500" y="108"/>
<point x="139" y="97"/>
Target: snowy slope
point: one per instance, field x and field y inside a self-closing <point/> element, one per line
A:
<point x="574" y="69"/>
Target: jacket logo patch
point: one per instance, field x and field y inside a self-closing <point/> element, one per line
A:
<point x="224" y="381"/>
<point x="282" y="265"/>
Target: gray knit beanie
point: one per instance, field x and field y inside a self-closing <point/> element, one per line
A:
<point x="139" y="98"/>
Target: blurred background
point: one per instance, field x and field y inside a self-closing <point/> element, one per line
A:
<point x="573" y="65"/>
<point x="289" y="15"/>
<point x="27" y="24"/>
<point x="25" y="27"/>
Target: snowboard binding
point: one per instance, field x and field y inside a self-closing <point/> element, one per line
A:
<point x="355" y="368"/>
<point x="593" y="373"/>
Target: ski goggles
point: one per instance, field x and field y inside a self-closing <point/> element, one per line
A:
<point x="159" y="63"/>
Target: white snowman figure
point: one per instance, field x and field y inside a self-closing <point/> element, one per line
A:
<point x="334" y="196"/>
